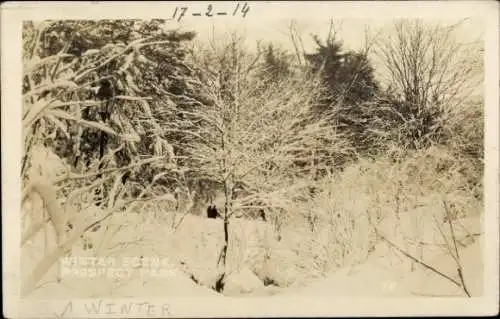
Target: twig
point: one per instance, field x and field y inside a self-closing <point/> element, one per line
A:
<point x="26" y="154"/>
<point x="447" y="244"/>
<point x="134" y="45"/>
<point x="457" y="256"/>
<point x="71" y="176"/>
<point x="59" y="58"/>
<point x="420" y="262"/>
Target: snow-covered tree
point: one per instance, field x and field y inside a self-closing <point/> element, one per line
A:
<point x="260" y="146"/>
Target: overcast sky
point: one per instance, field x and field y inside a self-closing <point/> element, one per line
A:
<point x="269" y="21"/>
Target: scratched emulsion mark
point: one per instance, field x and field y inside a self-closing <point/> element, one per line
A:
<point x="239" y="9"/>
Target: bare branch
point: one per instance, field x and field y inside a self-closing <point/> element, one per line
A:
<point x="457" y="255"/>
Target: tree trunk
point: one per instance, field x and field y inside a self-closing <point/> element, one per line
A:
<point x="219" y="284"/>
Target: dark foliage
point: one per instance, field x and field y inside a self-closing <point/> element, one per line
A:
<point x="276" y="64"/>
<point x="106" y="66"/>
<point x="349" y="82"/>
<point x="212" y="211"/>
<point x="348" y="76"/>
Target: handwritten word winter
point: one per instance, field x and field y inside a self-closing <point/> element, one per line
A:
<point x="129" y="309"/>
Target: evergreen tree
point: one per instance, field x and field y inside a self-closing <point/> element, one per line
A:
<point x="349" y="84"/>
<point x="146" y="66"/>
<point x="347" y="76"/>
<point x="276" y="64"/>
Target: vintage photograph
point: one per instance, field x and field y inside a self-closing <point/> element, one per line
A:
<point x="210" y="153"/>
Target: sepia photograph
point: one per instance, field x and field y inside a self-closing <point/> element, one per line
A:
<point x="259" y="158"/>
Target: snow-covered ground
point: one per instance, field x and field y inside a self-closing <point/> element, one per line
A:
<point x="192" y="251"/>
<point x="255" y="255"/>
<point x="377" y="277"/>
<point x="194" y="247"/>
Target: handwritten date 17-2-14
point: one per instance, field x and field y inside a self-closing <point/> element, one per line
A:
<point x="239" y="9"/>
